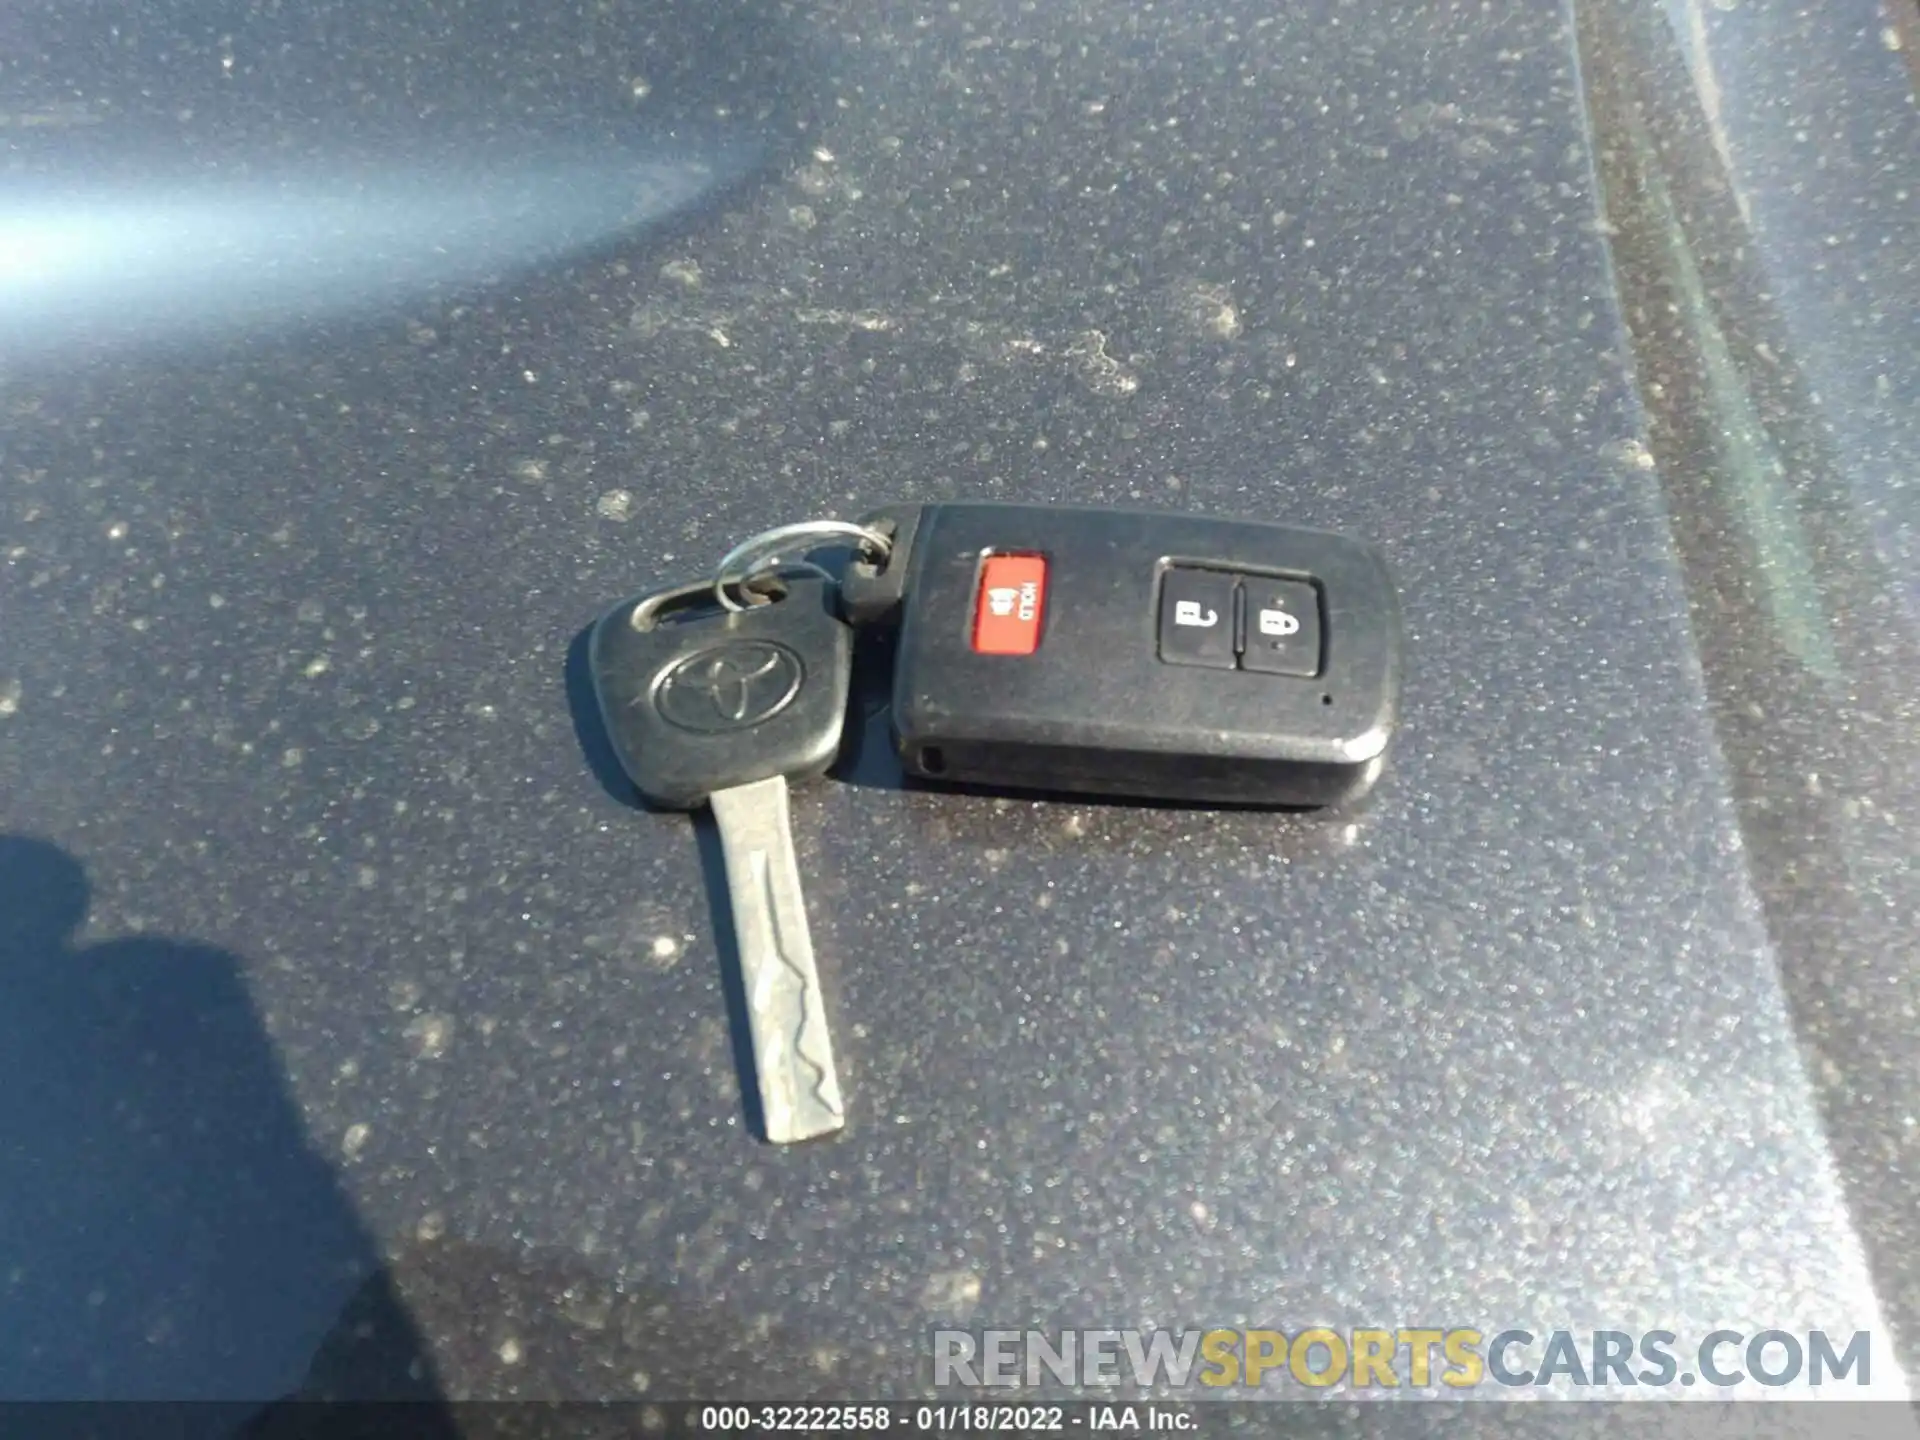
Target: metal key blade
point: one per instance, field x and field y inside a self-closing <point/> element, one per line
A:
<point x="792" y="1051"/>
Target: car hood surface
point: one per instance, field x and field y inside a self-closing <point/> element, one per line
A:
<point x="354" y="996"/>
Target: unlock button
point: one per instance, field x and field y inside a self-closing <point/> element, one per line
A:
<point x="1197" y="618"/>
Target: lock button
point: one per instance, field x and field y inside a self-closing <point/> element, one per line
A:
<point x="1199" y="618"/>
<point x="1282" y="627"/>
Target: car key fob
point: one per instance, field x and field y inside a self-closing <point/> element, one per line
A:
<point x="709" y="705"/>
<point x="1134" y="653"/>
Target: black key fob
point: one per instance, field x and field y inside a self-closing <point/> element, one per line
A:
<point x="1135" y="653"/>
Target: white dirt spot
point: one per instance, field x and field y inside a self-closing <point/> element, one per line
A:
<point x="429" y="1035"/>
<point x="951" y="1293"/>
<point x="1102" y="374"/>
<point x="869" y="320"/>
<point x="1631" y="454"/>
<point x="1210" y="310"/>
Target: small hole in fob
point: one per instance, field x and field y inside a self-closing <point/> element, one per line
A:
<point x="1326" y="699"/>
<point x="933" y="760"/>
<point x="702" y="604"/>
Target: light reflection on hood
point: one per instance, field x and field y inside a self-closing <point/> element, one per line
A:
<point x="157" y="259"/>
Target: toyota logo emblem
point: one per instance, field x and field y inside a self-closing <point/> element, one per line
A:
<point x="734" y="686"/>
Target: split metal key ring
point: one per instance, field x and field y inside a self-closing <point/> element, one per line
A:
<point x="769" y="549"/>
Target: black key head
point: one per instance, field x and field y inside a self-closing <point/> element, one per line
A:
<point x="697" y="698"/>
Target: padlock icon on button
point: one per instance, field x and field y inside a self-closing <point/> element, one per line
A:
<point x="1279" y="623"/>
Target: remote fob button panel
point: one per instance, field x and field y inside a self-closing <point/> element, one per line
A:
<point x="1174" y="656"/>
<point x="1282" y="626"/>
<point x="1197" y="618"/>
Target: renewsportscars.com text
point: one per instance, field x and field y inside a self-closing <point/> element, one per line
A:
<point x="1415" y="1358"/>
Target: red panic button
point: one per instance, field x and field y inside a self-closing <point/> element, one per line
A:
<point x="1010" y="603"/>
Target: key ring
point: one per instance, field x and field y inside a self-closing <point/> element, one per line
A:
<point x="764" y="552"/>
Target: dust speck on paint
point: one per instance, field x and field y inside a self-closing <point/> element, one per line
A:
<point x="615" y="505"/>
<point x="10" y="693"/>
<point x="1631" y="453"/>
<point x="355" y="1140"/>
<point x="1211" y="311"/>
<point x="428" y="1035"/>
<point x="951" y="1293"/>
<point x="1102" y="374"/>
